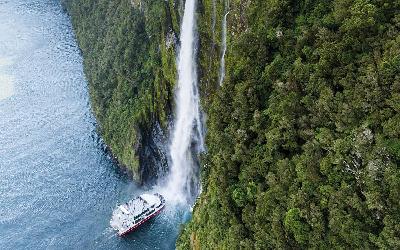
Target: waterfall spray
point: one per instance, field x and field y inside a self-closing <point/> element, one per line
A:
<point x="222" y="65"/>
<point x="183" y="181"/>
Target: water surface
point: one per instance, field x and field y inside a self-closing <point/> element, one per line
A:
<point x="57" y="185"/>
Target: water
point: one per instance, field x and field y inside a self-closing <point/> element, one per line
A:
<point x="187" y="134"/>
<point x="58" y="187"/>
<point x="6" y="81"/>
<point x="222" y="66"/>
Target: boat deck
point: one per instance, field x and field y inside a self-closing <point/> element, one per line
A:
<point x="132" y="214"/>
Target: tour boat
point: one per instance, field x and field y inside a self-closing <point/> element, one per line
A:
<point x="129" y="216"/>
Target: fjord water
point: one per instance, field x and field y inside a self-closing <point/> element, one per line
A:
<point x="58" y="187"/>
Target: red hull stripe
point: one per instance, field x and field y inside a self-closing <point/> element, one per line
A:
<point x="143" y="221"/>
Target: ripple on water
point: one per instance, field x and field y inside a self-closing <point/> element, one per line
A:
<point x="6" y="80"/>
<point x="58" y="187"/>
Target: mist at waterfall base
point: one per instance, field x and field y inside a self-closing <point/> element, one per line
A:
<point x="183" y="184"/>
<point x="58" y="186"/>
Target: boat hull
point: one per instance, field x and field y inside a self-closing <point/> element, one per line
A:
<point x="141" y="223"/>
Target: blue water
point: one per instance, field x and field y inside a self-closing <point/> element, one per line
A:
<point x="58" y="187"/>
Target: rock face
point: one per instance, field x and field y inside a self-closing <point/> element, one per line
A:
<point x="152" y="153"/>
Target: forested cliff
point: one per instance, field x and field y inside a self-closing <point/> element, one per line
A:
<point x="129" y="59"/>
<point x="303" y="138"/>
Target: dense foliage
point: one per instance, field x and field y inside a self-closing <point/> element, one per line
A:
<point x="130" y="68"/>
<point x="303" y="137"/>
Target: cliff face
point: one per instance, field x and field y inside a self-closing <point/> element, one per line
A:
<point x="129" y="50"/>
<point x="303" y="142"/>
<point x="129" y="60"/>
<point x="303" y="136"/>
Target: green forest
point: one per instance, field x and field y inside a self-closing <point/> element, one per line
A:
<point x="131" y="76"/>
<point x="303" y="137"/>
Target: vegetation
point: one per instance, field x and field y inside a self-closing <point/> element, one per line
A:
<point x="303" y="138"/>
<point x="130" y="68"/>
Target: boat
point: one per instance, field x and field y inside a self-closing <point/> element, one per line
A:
<point x="129" y="216"/>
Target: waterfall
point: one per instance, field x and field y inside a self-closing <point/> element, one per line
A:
<point x="187" y="136"/>
<point x="222" y="65"/>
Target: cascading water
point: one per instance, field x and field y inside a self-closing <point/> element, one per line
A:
<point x="222" y="65"/>
<point x="187" y="136"/>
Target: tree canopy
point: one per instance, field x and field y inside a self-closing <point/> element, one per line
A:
<point x="303" y="137"/>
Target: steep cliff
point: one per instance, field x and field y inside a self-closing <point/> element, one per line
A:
<point x="303" y="143"/>
<point x="303" y="136"/>
<point x="129" y="60"/>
